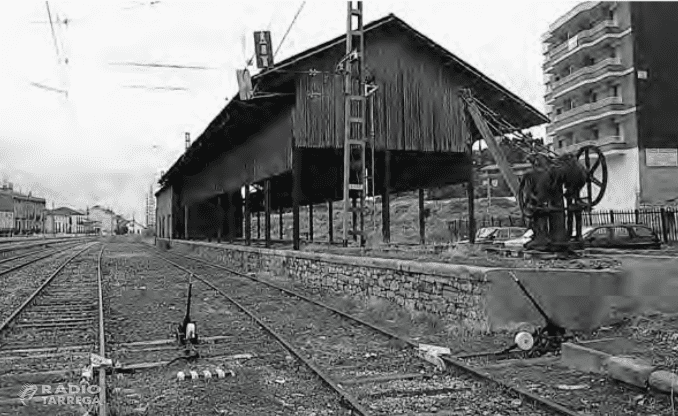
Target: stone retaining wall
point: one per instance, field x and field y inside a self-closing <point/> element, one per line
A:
<point x="476" y="297"/>
<point x="432" y="287"/>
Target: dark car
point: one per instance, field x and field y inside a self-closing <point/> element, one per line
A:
<point x="621" y="236"/>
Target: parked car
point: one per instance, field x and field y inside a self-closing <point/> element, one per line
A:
<point x="621" y="236"/>
<point x="519" y="243"/>
<point x="498" y="235"/>
<point x="628" y="236"/>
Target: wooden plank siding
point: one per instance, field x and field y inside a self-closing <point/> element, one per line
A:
<point x="417" y="106"/>
<point x="265" y="154"/>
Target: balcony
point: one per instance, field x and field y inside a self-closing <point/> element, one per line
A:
<point x="588" y="112"/>
<point x="582" y="76"/>
<point x="606" y="143"/>
<point x="580" y="41"/>
<point x="581" y="7"/>
<point x="587" y="107"/>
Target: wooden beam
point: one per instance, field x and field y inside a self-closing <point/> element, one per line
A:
<point x="267" y="212"/>
<point x="310" y="222"/>
<point x="186" y="222"/>
<point x="280" y="220"/>
<point x="471" y="213"/>
<point x="220" y="212"/>
<point x="354" y="224"/>
<point x="386" y="200"/>
<point x="231" y="217"/>
<point x="422" y="218"/>
<point x="330" y="220"/>
<point x="248" y="217"/>
<point x="296" y="195"/>
<point x="170" y="225"/>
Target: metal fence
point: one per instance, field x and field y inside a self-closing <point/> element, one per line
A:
<point x="663" y="220"/>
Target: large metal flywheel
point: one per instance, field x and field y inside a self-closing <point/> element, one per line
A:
<point x="593" y="160"/>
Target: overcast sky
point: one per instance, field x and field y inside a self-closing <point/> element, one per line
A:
<point x="105" y="142"/>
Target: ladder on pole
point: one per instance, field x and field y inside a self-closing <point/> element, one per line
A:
<point x="355" y="133"/>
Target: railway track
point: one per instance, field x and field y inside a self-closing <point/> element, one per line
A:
<point x="47" y="341"/>
<point x="9" y="250"/>
<point x="375" y="372"/>
<point x="260" y="377"/>
<point x="10" y="264"/>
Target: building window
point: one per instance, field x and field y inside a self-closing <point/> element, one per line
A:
<point x="595" y="134"/>
<point x="615" y="90"/>
<point x="617" y="130"/>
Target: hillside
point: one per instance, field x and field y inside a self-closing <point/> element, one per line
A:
<point x="404" y="219"/>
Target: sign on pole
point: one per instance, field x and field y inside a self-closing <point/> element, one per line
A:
<point x="263" y="49"/>
<point x="244" y="84"/>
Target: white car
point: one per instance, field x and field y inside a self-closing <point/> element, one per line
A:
<point x="519" y="243"/>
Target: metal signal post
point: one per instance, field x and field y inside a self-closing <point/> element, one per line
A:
<point x="355" y="134"/>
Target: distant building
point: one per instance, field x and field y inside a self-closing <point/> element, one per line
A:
<point x="64" y="220"/>
<point x="611" y="82"/>
<point x="6" y="214"/>
<point x="29" y="211"/>
<point x="107" y="221"/>
<point x="135" y="227"/>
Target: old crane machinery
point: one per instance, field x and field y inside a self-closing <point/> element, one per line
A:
<point x="556" y="191"/>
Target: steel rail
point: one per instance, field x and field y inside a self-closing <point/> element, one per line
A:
<point x="44" y="284"/>
<point x="102" y="340"/>
<point x="535" y="399"/>
<point x="20" y="266"/>
<point x="347" y="397"/>
<point x="16" y="247"/>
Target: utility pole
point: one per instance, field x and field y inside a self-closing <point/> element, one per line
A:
<point x="354" y="122"/>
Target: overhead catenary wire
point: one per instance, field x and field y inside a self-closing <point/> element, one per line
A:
<point x="54" y="38"/>
<point x="303" y="3"/>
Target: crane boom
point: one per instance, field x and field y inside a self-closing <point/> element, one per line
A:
<point x="499" y="157"/>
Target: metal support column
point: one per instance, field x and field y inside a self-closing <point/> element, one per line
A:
<point x="386" y="199"/>
<point x="330" y="219"/>
<point x="267" y="212"/>
<point x="186" y="222"/>
<point x="310" y="222"/>
<point x="354" y="121"/>
<point x="248" y="216"/>
<point x="280" y="221"/>
<point x="296" y="195"/>
<point x="422" y="218"/>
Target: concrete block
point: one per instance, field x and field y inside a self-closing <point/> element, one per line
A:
<point x="664" y="381"/>
<point x="629" y="370"/>
<point x="583" y="359"/>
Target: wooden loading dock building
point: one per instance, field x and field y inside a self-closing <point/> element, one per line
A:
<point x="288" y="140"/>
